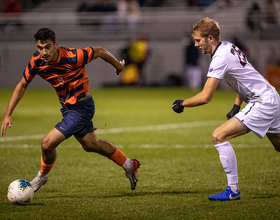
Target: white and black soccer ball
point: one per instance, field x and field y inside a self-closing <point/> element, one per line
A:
<point x="20" y="192"/>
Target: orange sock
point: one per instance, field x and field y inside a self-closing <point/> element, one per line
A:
<point x="118" y="157"/>
<point x="45" y="168"/>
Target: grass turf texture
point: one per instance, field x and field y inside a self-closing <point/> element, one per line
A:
<point x="180" y="166"/>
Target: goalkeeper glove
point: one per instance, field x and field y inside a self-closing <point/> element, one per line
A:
<point x="235" y="109"/>
<point x="178" y="106"/>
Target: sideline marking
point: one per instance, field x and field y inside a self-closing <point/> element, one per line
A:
<point x="125" y="129"/>
<point x="158" y="127"/>
<point x="141" y="146"/>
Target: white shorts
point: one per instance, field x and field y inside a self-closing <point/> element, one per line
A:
<point x="262" y="117"/>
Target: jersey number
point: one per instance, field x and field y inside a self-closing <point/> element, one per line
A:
<point x="242" y="58"/>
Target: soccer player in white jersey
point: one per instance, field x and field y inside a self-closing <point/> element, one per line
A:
<point x="261" y="114"/>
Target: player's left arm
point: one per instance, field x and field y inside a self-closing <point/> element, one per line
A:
<point x="236" y="107"/>
<point x="238" y="100"/>
<point x="109" y="58"/>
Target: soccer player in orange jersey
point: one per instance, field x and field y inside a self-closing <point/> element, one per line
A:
<point x="64" y="69"/>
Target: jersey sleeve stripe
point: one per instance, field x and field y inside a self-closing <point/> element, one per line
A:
<point x="91" y="57"/>
<point x="25" y="77"/>
<point x="85" y="61"/>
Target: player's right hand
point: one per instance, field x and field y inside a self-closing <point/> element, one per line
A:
<point x="7" y="120"/>
<point x="178" y="106"/>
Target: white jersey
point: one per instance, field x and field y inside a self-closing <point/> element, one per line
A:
<point x="230" y="64"/>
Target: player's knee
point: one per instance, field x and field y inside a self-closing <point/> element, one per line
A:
<point x="217" y="139"/>
<point x="46" y="145"/>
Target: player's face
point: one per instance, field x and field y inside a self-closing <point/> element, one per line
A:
<point x="48" y="50"/>
<point x="203" y="43"/>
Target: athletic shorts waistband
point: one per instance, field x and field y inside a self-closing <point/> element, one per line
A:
<point x="79" y="102"/>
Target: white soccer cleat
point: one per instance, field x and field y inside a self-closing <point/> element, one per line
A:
<point x="132" y="174"/>
<point x="38" y="181"/>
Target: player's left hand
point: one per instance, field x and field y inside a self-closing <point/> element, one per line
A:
<point x="178" y="106"/>
<point x="235" y="109"/>
<point x="118" y="71"/>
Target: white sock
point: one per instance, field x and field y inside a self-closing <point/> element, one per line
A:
<point x="229" y="162"/>
<point x="234" y="187"/>
<point x="39" y="174"/>
<point x="127" y="166"/>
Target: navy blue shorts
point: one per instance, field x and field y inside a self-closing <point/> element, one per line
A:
<point x="77" y="118"/>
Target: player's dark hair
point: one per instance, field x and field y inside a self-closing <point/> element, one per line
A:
<point x="206" y="27"/>
<point x="45" y="34"/>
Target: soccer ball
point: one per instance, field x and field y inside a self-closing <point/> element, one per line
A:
<point x="20" y="192"/>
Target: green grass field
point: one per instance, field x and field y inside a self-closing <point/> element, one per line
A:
<point x="180" y="167"/>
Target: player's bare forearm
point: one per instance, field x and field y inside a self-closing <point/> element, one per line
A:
<point x="197" y="100"/>
<point x="238" y="100"/>
<point x="17" y="95"/>
<point x="109" y="58"/>
<point x="205" y="96"/>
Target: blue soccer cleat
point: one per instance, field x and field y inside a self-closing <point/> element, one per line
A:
<point x="226" y="195"/>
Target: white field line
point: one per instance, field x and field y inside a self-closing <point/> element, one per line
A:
<point x="133" y="129"/>
<point x="159" y="127"/>
<point x="23" y="137"/>
<point x="123" y="130"/>
<point x="141" y="146"/>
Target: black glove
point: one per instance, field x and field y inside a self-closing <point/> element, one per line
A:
<point x="235" y="109"/>
<point x="178" y="106"/>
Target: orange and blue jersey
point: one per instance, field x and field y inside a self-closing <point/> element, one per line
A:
<point x="67" y="74"/>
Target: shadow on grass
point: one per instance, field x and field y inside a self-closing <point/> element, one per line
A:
<point x="36" y="204"/>
<point x="132" y="194"/>
<point x="266" y="196"/>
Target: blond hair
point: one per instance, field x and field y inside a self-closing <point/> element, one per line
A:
<point x="207" y="26"/>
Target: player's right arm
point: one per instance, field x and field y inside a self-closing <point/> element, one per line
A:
<point x="201" y="98"/>
<point x="205" y="96"/>
<point x="16" y="97"/>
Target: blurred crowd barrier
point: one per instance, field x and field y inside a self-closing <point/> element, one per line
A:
<point x="165" y="28"/>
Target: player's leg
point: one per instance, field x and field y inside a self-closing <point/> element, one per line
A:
<point x="49" y="143"/>
<point x="221" y="136"/>
<point x="275" y="140"/>
<point x="92" y="144"/>
<point x="48" y="157"/>
<point x="230" y="129"/>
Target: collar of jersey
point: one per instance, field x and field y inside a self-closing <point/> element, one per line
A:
<point x="216" y="49"/>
